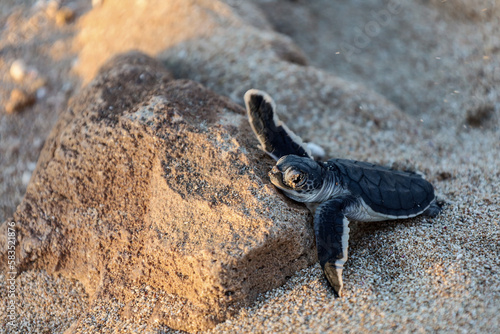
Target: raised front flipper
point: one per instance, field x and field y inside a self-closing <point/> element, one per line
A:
<point x="332" y="238"/>
<point x="276" y="138"/>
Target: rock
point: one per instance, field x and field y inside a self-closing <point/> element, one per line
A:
<point x="64" y="16"/>
<point x="149" y="181"/>
<point x="19" y="100"/>
<point x="41" y="93"/>
<point x="33" y="86"/>
<point x="61" y="15"/>
<point x="18" y="70"/>
<point x="481" y="116"/>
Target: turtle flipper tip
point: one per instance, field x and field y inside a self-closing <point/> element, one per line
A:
<point x="434" y="208"/>
<point x="253" y="91"/>
<point x="334" y="277"/>
<point x="256" y="93"/>
<point x="317" y="151"/>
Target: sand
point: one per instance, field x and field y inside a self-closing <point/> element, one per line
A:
<point x="418" y="275"/>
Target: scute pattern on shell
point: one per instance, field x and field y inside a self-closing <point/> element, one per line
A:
<point x="386" y="191"/>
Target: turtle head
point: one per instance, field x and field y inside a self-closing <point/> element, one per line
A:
<point x="300" y="178"/>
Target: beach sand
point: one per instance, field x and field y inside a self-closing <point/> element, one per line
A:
<point x="439" y="65"/>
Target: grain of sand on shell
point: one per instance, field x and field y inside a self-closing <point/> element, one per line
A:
<point x="418" y="275"/>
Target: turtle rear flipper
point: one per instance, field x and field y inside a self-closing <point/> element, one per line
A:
<point x="434" y="209"/>
<point x="276" y="138"/>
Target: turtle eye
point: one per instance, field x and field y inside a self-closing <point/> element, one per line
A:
<point x="294" y="178"/>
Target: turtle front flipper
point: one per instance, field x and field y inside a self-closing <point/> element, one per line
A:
<point x="332" y="238"/>
<point x="276" y="138"/>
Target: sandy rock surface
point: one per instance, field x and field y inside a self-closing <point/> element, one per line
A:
<point x="149" y="181"/>
<point x="417" y="87"/>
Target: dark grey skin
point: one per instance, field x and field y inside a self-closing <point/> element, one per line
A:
<point x="335" y="190"/>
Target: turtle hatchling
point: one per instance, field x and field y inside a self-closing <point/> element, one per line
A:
<point x="335" y="190"/>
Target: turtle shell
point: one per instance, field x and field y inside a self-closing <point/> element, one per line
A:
<point x="386" y="191"/>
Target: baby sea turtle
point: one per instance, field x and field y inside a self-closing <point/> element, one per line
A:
<point x="336" y="189"/>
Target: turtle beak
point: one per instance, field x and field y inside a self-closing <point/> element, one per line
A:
<point x="274" y="171"/>
<point x="276" y="177"/>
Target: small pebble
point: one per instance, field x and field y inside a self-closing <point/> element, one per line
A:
<point x="26" y="178"/>
<point x="18" y="101"/>
<point x="31" y="166"/>
<point x="480" y="116"/>
<point x="97" y="3"/>
<point x="64" y="16"/>
<point x="41" y="93"/>
<point x="18" y="70"/>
